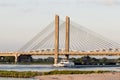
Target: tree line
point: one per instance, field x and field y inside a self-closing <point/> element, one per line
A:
<point x="85" y="60"/>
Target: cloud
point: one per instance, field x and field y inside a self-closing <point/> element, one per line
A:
<point x="98" y="2"/>
<point x="23" y="7"/>
<point x="7" y="5"/>
<point x="101" y="2"/>
<point x="58" y="2"/>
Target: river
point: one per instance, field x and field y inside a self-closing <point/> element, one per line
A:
<point x="2" y="78"/>
<point x="43" y="68"/>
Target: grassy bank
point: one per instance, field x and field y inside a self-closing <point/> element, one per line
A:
<point x="29" y="74"/>
<point x="72" y="72"/>
<point x="15" y="74"/>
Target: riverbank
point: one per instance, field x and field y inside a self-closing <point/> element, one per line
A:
<point x="29" y="74"/>
<point x="16" y="74"/>
<point x="93" y="76"/>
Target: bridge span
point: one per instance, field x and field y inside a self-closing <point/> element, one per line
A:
<point x="17" y="54"/>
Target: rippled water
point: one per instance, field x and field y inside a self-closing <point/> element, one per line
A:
<point x="41" y="68"/>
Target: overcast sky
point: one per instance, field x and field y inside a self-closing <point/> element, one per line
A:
<point x="20" y="20"/>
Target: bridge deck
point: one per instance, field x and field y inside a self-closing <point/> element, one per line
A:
<point x="63" y="53"/>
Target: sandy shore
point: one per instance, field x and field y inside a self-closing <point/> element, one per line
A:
<point x="95" y="76"/>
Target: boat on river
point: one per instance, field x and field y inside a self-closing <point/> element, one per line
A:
<point x="65" y="63"/>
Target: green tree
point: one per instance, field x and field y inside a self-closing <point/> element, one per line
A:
<point x="9" y="59"/>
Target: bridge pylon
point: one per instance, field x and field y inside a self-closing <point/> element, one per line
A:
<point x="56" y="39"/>
<point x="67" y="37"/>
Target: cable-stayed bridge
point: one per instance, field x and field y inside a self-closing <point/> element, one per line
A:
<point x="81" y="39"/>
<point x="67" y="38"/>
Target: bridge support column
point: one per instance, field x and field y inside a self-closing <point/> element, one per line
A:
<point x="56" y="39"/>
<point x="67" y="36"/>
<point x="16" y="59"/>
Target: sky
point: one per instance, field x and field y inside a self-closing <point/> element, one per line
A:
<point x="20" y="20"/>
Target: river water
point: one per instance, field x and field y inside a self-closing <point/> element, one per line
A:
<point x="2" y="78"/>
<point x="44" y="68"/>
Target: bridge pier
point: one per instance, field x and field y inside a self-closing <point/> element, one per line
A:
<point x="16" y="59"/>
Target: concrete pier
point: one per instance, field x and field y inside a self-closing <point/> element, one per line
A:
<point x="16" y="58"/>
